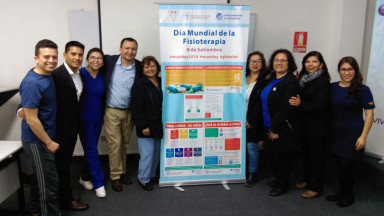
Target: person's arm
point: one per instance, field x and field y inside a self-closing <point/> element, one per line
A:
<point x="362" y="140"/>
<point x="138" y="109"/>
<point x="34" y="123"/>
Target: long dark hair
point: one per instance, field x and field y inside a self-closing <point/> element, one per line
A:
<point x="321" y="60"/>
<point x="264" y="69"/>
<point x="354" y="89"/>
<point x="292" y="67"/>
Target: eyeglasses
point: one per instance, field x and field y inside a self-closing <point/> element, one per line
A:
<point x="345" y="70"/>
<point x="255" y="61"/>
<point x="94" y="58"/>
<point x="280" y="60"/>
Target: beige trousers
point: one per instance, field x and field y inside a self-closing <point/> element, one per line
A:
<point x="118" y="127"/>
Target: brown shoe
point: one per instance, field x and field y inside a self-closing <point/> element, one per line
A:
<point x="125" y="179"/>
<point x="309" y="194"/>
<point x="77" y="206"/>
<point x="116" y="185"/>
<point x="301" y="185"/>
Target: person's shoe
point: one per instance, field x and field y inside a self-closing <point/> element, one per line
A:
<point x="100" y="192"/>
<point x="345" y="202"/>
<point x="277" y="191"/>
<point x="116" y="185"/>
<point x="309" y="194"/>
<point x="125" y="179"/>
<point x="251" y="180"/>
<point x="301" y="185"/>
<point x="77" y="206"/>
<point x="86" y="184"/>
<point x="147" y="186"/>
<point x="155" y="180"/>
<point x="272" y="183"/>
<point x="333" y="198"/>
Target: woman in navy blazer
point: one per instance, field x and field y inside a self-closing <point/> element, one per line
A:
<point x="280" y="119"/>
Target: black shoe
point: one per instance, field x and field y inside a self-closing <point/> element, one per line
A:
<point x="125" y="179"/>
<point x="147" y="186"/>
<point x="155" y="180"/>
<point x="116" y="185"/>
<point x="272" y="183"/>
<point x="345" y="202"/>
<point x="333" y="198"/>
<point x="251" y="180"/>
<point x="277" y="191"/>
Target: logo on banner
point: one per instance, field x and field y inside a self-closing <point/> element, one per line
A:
<point x="300" y="42"/>
<point x="173" y="14"/>
<point x="219" y="16"/>
<point x="381" y="10"/>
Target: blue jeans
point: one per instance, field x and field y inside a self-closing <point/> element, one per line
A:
<point x="46" y="180"/>
<point x="149" y="149"/>
<point x="253" y="156"/>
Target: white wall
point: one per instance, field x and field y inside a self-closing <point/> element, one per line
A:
<point x="22" y="24"/>
<point x="335" y="28"/>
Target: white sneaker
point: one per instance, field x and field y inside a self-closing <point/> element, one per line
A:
<point x="100" y="192"/>
<point x="86" y="184"/>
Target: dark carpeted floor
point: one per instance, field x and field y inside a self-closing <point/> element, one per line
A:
<point x="215" y="199"/>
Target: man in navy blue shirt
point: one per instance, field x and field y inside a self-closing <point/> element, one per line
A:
<point x="38" y="96"/>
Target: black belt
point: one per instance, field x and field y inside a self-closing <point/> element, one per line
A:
<point x="118" y="108"/>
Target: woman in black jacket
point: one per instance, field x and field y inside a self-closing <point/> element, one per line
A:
<point x="256" y="71"/>
<point x="147" y="98"/>
<point x="314" y="106"/>
<point x="280" y="119"/>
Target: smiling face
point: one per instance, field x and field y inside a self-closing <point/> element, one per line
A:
<point x="347" y="73"/>
<point x="150" y="70"/>
<point x="280" y="63"/>
<point x="95" y="61"/>
<point x="74" y="57"/>
<point x="46" y="61"/>
<point x="312" y="64"/>
<point x="128" y="51"/>
<point x="255" y="64"/>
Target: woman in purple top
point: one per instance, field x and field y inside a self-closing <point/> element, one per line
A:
<point x="91" y="121"/>
<point x="349" y="98"/>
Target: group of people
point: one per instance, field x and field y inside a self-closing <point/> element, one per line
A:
<point x="58" y="104"/>
<point x="285" y="111"/>
<point x="306" y="113"/>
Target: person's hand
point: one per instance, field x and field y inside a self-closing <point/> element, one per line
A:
<point x="146" y="132"/>
<point x="295" y="101"/>
<point x="53" y="146"/>
<point x="272" y="136"/>
<point x="247" y="125"/>
<point x="21" y="113"/>
<point x="360" y="143"/>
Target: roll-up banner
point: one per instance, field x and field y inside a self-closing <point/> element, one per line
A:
<point x="375" y="81"/>
<point x="203" y="57"/>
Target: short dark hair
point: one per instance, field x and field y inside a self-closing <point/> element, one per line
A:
<point x="45" y="43"/>
<point x="147" y="60"/>
<point x="95" y="49"/>
<point x="73" y="43"/>
<point x="291" y="60"/>
<point x="128" y="39"/>
<point x="264" y="68"/>
<point x="321" y="60"/>
<point x="354" y="89"/>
